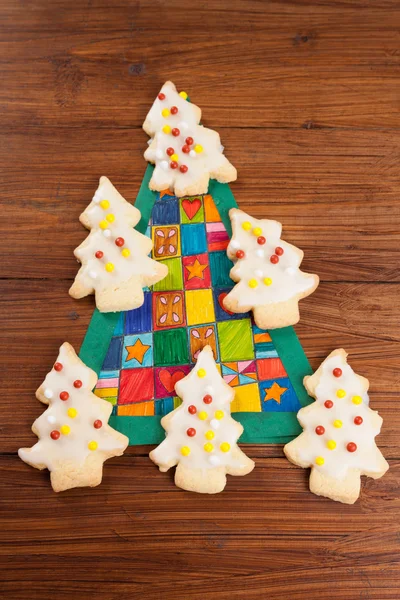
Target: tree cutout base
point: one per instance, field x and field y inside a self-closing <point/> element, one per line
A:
<point x="141" y="354"/>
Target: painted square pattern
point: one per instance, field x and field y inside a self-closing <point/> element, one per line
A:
<point x="157" y="344"/>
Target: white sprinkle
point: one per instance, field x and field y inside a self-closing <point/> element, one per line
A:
<point x="97" y="197"/>
<point x="48" y="394"/>
<point x="106" y="233"/>
<point x="221" y="148"/>
<point x="260" y="253"/>
<point x="51" y="419"/>
<point x="258" y="273"/>
<point x="183" y="125"/>
<point x="214" y="424"/>
<point x="209" y="389"/>
<point x="149" y="141"/>
<point x="234" y="244"/>
<point x="192" y="154"/>
<point x="92" y="274"/>
<point x="290" y="271"/>
<point x="159" y="153"/>
<point x="214" y="460"/>
<point x="164" y="165"/>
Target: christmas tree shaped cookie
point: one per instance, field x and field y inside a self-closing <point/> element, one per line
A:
<point x="266" y="268"/>
<point x="185" y="154"/>
<point x="338" y="441"/>
<point x="115" y="265"/>
<point x="74" y="436"/>
<point x="201" y="434"/>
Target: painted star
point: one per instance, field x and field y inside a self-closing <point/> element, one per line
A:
<point x="274" y="393"/>
<point x="138" y="350"/>
<point x="196" y="270"/>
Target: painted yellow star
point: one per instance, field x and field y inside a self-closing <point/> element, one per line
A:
<point x="138" y="350"/>
<point x="196" y="269"/>
<point x="275" y="392"/>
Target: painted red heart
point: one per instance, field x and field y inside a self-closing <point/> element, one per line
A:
<point x="191" y="207"/>
<point x="169" y="379"/>
<point x="221" y="298"/>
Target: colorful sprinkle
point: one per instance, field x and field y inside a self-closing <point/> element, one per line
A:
<point x="274" y="259"/>
<point x="183" y="95"/>
<point x="166" y="129"/>
<point x="207" y="399"/>
<point x="201" y="373"/>
<point x="183" y="169"/>
<point x="356" y="400"/>
<point x="210" y="435"/>
<point x="340" y="393"/>
<point x="240" y="254"/>
<point x="185" y="450"/>
<point x="119" y="242"/>
<point x="191" y="432"/>
<point x="64" y="396"/>
<point x="261" y="240"/>
<point x="186" y="149"/>
<point x="72" y="413"/>
<point x="202" y="415"/>
<point x="192" y="409"/>
<point x="358" y="420"/>
<point x="219" y="414"/>
<point x="99" y="254"/>
<point x="328" y="403"/>
<point x="165" y="112"/>
<point x="208" y="447"/>
<point x="320" y="430"/>
<point x="174" y="110"/>
<point x="98" y="424"/>
<point x="225" y="447"/>
<point x="161" y="96"/>
<point x="246" y="226"/>
<point x="189" y="141"/>
<point x="65" y="429"/>
<point x="55" y="434"/>
<point x="319" y="461"/>
<point x="267" y="281"/>
<point x="175" y="132"/>
<point x="170" y="151"/>
<point x="126" y="252"/>
<point x="253" y="283"/>
<point x="257" y="231"/>
<point x="92" y="445"/>
<point x="351" y="447"/>
<point x="331" y="444"/>
<point x="337" y="372"/>
<point x="278" y="251"/>
<point x="173" y="164"/>
<point x="109" y="267"/>
<point x="77" y="384"/>
<point x="104" y="204"/>
<point x="198" y="149"/>
<point x="103" y="224"/>
<point x="337" y="423"/>
<point x="110" y="218"/>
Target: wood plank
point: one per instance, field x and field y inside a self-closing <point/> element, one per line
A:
<point x="335" y="192"/>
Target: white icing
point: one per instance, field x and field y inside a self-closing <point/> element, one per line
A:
<point x="367" y="456"/>
<point x="256" y="264"/>
<point x="192" y="390"/>
<point x="206" y="163"/>
<point x="93" y="273"/>
<point x="72" y="447"/>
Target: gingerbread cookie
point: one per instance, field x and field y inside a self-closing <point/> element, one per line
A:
<point x="74" y="436"/>
<point x="185" y="154"/>
<point x="266" y="268"/>
<point x="201" y="434"/>
<point x="338" y="441"/>
<point x="114" y="256"/>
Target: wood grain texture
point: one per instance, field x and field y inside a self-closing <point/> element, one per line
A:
<point x="305" y="96"/>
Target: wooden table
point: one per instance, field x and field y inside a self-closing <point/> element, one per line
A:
<point x="306" y="97"/>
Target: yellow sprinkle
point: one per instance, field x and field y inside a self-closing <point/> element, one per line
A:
<point x="110" y="218"/>
<point x="253" y="283"/>
<point x="225" y="447"/>
<point x="92" y="445"/>
<point x="198" y="148"/>
<point x="65" y="430"/>
<point x="201" y="373"/>
<point x="174" y="157"/>
<point x="183" y="95"/>
<point x="257" y="231"/>
<point x="202" y="415"/>
<point x="246" y="226"/>
<point x="185" y="450"/>
<point x="210" y="435"/>
<point x="356" y="400"/>
<point x="319" y="461"/>
<point x="109" y="267"/>
<point x="340" y="393"/>
<point x="331" y="444"/>
<point x="103" y="224"/>
<point x="104" y="204"/>
<point x="72" y="413"/>
<point x="126" y="252"/>
<point x="219" y="414"/>
<point x="208" y="447"/>
<point x="166" y="129"/>
<point x="268" y="281"/>
<point x="165" y="112"/>
<point x="338" y="424"/>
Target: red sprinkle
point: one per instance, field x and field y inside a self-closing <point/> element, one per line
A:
<point x="173" y="164"/>
<point x="261" y="240"/>
<point x="351" y="447"/>
<point x="175" y="132"/>
<point x="328" y="403"/>
<point x="320" y="430"/>
<point x="58" y="367"/>
<point x="55" y="434"/>
<point x="64" y="396"/>
<point x="240" y="254"/>
<point x="279" y="251"/>
<point x="174" y="110"/>
<point x="161" y="96"/>
<point x="97" y="424"/>
<point x="207" y="399"/>
<point x="170" y="151"/>
<point x="99" y="254"/>
<point x="183" y="169"/>
<point x="119" y="242"/>
<point x="189" y="141"/>
<point x="191" y="432"/>
<point x="77" y="383"/>
<point x="274" y="259"/>
<point x="192" y="409"/>
<point x="337" y="372"/>
<point x="358" y="420"/>
<point x="186" y="149"/>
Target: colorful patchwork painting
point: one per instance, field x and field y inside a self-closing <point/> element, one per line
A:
<point x="157" y="344"/>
